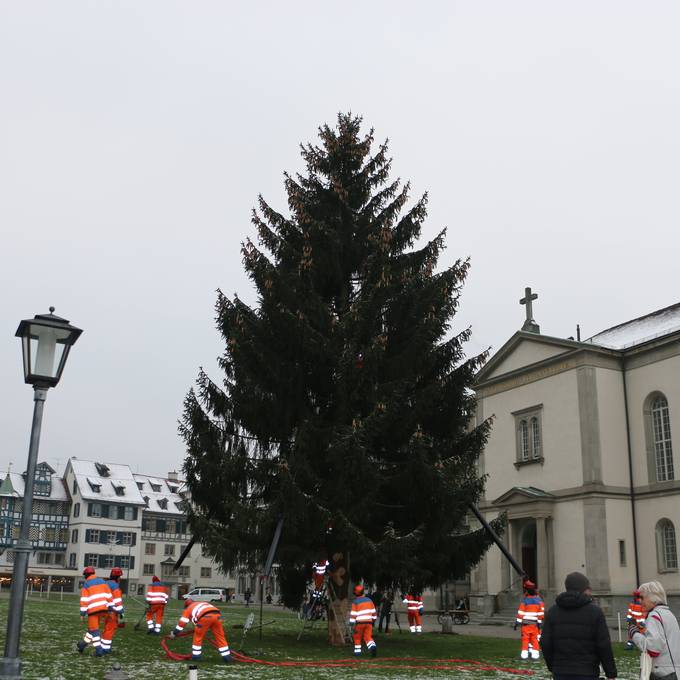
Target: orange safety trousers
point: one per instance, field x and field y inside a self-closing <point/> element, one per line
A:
<point x="97" y="621"/>
<point x="211" y="621"/>
<point x="530" y="633"/>
<point x="155" y="610"/>
<point x="415" y="619"/>
<point x="111" y="626"/>
<point x="363" y="632"/>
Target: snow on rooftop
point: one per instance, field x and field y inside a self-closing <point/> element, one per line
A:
<point x="156" y="498"/>
<point x="87" y="474"/>
<point x="638" y="331"/>
<point x="57" y="490"/>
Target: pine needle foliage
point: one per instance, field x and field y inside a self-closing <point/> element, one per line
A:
<point x="345" y="405"/>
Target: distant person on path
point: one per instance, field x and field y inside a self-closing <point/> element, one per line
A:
<point x="660" y="638"/>
<point x="386" y="612"/>
<point x="575" y="637"/>
<point x="530" y="617"/>
<point x="157" y="596"/>
<point x="246" y="596"/>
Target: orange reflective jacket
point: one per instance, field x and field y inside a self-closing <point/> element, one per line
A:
<point x="95" y="596"/>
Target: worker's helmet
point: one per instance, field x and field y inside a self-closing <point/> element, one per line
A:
<point x="188" y="600"/>
<point x="155" y="579"/>
<point x="529" y="585"/>
<point x="116" y="572"/>
<point x="636" y="593"/>
<point x="358" y="590"/>
<point x="88" y="571"/>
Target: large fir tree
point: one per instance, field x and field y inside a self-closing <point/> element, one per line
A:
<point x="346" y="404"/>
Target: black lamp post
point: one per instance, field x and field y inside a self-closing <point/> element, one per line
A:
<point x="45" y="342"/>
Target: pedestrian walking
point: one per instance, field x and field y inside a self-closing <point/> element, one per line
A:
<point x="386" y="612"/>
<point x="575" y="638"/>
<point x="660" y="638"/>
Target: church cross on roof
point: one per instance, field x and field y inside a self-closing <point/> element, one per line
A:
<point x="529" y="325"/>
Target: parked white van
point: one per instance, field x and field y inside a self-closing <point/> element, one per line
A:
<point x="206" y="595"/>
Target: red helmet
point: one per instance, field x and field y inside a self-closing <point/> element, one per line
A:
<point x="116" y="572"/>
<point x="88" y="571"/>
<point x="155" y="579"/>
<point x="188" y="600"/>
<point x="636" y="593"/>
<point x="358" y="590"/>
<point x="529" y="584"/>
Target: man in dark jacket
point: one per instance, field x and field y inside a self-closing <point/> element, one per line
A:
<point x="575" y="637"/>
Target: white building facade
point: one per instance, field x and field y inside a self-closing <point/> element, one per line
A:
<point x="102" y="515"/>
<point x="581" y="461"/>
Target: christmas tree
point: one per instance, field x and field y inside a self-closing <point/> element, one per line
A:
<point x="346" y="403"/>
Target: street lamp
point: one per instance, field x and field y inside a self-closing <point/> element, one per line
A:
<point x="45" y="342"/>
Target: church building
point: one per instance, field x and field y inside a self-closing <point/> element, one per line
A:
<point x="580" y="459"/>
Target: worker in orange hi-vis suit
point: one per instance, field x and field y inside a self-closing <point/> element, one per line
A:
<point x="414" y="610"/>
<point x="530" y="616"/>
<point x="156" y="598"/>
<point x="116" y="613"/>
<point x="635" y="615"/>
<point x="205" y="617"/>
<point x="319" y="570"/>
<point x="95" y="601"/>
<point x="362" y="616"/>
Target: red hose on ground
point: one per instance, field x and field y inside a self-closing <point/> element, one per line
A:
<point x="401" y="662"/>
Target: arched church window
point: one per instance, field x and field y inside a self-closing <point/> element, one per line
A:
<point x="535" y="438"/>
<point x="663" y="449"/>
<point x="524" y="439"/>
<point x="666" y="547"/>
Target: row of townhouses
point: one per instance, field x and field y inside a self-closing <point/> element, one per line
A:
<point x="103" y="515"/>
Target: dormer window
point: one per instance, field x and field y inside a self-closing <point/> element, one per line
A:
<point x="118" y="488"/>
<point x="155" y="487"/>
<point x="146" y="500"/>
<point x="173" y="489"/>
<point x="95" y="484"/>
<point x="181" y="506"/>
<point x="140" y="485"/>
<point x="102" y="470"/>
<point x="163" y="503"/>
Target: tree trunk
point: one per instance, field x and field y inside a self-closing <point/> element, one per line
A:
<point x="338" y="611"/>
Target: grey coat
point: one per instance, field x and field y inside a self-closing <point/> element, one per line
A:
<point x="661" y="640"/>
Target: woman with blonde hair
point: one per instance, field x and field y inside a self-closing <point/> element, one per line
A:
<point x="659" y="641"/>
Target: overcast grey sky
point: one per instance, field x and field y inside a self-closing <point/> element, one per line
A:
<point x="137" y="135"/>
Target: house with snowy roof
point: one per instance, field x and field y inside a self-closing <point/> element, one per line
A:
<point x="580" y="459"/>
<point x="48" y="532"/>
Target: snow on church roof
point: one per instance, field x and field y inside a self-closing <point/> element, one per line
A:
<point x="637" y="331"/>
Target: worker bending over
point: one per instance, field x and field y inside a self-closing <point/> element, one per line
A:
<point x="205" y="617"/>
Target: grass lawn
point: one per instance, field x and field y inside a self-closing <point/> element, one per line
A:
<point x="51" y="629"/>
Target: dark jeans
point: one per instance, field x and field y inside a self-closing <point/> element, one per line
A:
<point x="384" y="616"/>
<point x="558" y="676"/>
